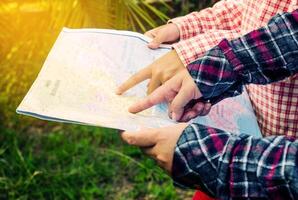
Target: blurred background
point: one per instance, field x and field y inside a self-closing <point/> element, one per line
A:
<point x="44" y="160"/>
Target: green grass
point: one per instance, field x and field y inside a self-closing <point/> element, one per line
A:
<point x="54" y="161"/>
<point x="42" y="160"/>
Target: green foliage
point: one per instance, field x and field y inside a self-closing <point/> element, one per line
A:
<point x="76" y="162"/>
<point x="30" y="27"/>
<point x="41" y="160"/>
<point x="183" y="7"/>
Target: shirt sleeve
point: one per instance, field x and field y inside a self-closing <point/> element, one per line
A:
<point x="230" y="166"/>
<point x="265" y="55"/>
<point x="224" y="15"/>
<point x="191" y="49"/>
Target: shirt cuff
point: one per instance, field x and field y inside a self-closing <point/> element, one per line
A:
<point x="187" y="52"/>
<point x="191" y="49"/>
<point x="196" y="157"/>
<point x="185" y="29"/>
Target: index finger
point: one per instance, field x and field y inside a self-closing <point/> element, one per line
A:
<point x="157" y="96"/>
<point x="138" y="77"/>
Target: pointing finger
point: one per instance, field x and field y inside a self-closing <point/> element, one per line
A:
<point x="161" y="94"/>
<point x="182" y="98"/>
<point x="134" y="80"/>
<point x="156" y="97"/>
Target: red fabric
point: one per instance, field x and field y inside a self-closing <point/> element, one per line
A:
<point x="276" y="105"/>
<point x="201" y="196"/>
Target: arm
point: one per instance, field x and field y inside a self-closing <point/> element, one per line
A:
<point x="193" y="48"/>
<point x="262" y="56"/>
<point x="224" y="15"/>
<point x="226" y="165"/>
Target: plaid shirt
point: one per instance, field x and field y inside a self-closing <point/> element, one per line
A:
<point x="276" y="105"/>
<point x="230" y="166"/>
<point x="239" y="166"/>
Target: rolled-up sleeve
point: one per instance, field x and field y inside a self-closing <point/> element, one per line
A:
<point x="224" y="15"/>
<point x="200" y="31"/>
<point x="228" y="166"/>
<point x="263" y="56"/>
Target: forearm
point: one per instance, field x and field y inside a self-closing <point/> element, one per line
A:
<point x="266" y="55"/>
<point x="227" y="165"/>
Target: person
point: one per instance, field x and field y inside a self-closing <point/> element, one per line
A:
<point x="223" y="164"/>
<point x="275" y="104"/>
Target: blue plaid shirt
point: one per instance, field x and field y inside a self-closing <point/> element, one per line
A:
<point x="229" y="166"/>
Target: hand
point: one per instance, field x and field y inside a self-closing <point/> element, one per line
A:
<point x="159" y="72"/>
<point x="168" y="33"/>
<point x="199" y="109"/>
<point x="178" y="91"/>
<point x="159" y="143"/>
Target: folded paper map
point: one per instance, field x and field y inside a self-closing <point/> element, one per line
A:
<point x="78" y="80"/>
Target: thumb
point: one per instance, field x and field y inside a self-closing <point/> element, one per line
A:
<point x="141" y="138"/>
<point x="157" y="40"/>
<point x="185" y="95"/>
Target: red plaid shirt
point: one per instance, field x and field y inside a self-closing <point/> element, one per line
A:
<point x="276" y="105"/>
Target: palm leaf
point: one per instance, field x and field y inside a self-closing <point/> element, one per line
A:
<point x="30" y="27"/>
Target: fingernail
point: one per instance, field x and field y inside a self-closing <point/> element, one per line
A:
<point x="130" y="141"/>
<point x="118" y="91"/>
<point x="174" y="116"/>
<point x="153" y="45"/>
<point x="132" y="110"/>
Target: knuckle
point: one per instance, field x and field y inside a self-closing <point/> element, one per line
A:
<point x="130" y="140"/>
<point x="158" y="71"/>
<point x="161" y="158"/>
<point x="150" y="102"/>
<point x="166" y="77"/>
<point x="199" y="108"/>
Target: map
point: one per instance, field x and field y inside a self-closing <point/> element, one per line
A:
<point x="78" y="80"/>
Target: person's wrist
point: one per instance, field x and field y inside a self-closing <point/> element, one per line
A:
<point x="222" y="78"/>
<point x="176" y="170"/>
<point x="176" y="30"/>
<point x="179" y="49"/>
<point x="185" y="171"/>
<point x="179" y="23"/>
<point x="178" y="62"/>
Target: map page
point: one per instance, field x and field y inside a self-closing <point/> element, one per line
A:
<point x="78" y="80"/>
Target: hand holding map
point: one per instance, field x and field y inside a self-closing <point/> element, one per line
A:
<point x="158" y="72"/>
<point x="78" y="80"/>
